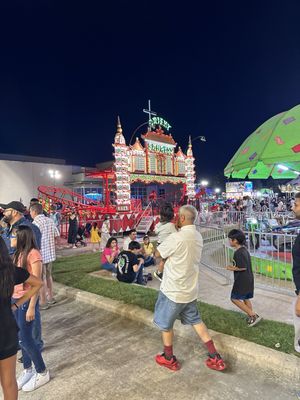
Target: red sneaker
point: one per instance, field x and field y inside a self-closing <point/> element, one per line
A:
<point x="172" y="364"/>
<point x="216" y="362"/>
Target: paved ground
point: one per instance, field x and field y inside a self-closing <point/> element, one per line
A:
<point x="97" y="355"/>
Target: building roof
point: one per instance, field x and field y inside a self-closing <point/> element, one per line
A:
<point x="137" y="145"/>
<point x="180" y="153"/>
<point x="159" y="136"/>
<point x="33" y="159"/>
<point x="105" y="166"/>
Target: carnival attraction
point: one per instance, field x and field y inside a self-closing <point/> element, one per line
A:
<point x="273" y="149"/>
<point x="133" y="184"/>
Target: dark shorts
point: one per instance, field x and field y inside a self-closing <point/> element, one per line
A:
<point x="237" y="296"/>
<point x="167" y="311"/>
<point x="9" y="343"/>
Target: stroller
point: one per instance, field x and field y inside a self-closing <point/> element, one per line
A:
<point x="80" y="238"/>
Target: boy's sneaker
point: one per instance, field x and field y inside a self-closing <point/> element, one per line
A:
<point x="172" y="364"/>
<point x="149" y="276"/>
<point x="25" y="377"/>
<point x="254" y="320"/>
<point x="51" y="302"/>
<point x="216" y="362"/>
<point x="36" y="381"/>
<point x="158" y="275"/>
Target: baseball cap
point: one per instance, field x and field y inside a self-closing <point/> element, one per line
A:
<point x="15" y="205"/>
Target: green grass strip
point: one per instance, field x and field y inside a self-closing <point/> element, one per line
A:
<point x="74" y="271"/>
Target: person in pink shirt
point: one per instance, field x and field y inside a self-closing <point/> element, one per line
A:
<point x="109" y="254"/>
<point x="28" y="257"/>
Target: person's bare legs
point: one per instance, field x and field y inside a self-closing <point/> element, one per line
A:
<point x="49" y="283"/>
<point x="202" y="332"/>
<point x="244" y="307"/>
<point x="8" y="378"/>
<point x="248" y="304"/>
<point x="43" y="289"/>
<point x="160" y="267"/>
<point x="167" y="337"/>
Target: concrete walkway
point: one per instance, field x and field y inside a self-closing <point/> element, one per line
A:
<point x="95" y="355"/>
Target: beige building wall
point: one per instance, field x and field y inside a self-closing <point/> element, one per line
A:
<point x="20" y="180"/>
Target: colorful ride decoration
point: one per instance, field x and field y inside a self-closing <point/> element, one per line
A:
<point x="273" y="149"/>
<point x="154" y="161"/>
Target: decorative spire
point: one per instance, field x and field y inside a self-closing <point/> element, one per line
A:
<point x="119" y="138"/>
<point x="190" y="150"/>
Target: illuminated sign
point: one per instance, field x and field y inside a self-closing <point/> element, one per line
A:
<point x="159" y="121"/>
<point x="160" y="148"/>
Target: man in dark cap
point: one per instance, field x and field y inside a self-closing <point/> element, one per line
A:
<point x="14" y="217"/>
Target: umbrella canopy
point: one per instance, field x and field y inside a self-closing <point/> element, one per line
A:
<point x="272" y="150"/>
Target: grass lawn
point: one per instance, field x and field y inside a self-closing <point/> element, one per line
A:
<point x="74" y="271"/>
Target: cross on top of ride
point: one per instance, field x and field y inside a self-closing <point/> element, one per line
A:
<point x="150" y="113"/>
<point x="154" y="120"/>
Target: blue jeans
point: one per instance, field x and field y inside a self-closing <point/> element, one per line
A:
<point x="109" y="267"/>
<point x="30" y="350"/>
<point x="139" y="276"/>
<point x="37" y="329"/>
<point x="149" y="261"/>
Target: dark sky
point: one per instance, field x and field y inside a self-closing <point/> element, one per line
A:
<point x="214" y="68"/>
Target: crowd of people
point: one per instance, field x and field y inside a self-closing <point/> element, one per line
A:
<point x="27" y="251"/>
<point x="248" y="204"/>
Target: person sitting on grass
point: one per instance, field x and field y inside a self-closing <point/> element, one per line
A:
<point x="243" y="286"/>
<point x="129" y="267"/>
<point x="109" y="255"/>
<point x="148" y="252"/>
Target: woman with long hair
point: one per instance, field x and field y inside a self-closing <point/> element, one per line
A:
<point x="109" y="254"/>
<point x="11" y="275"/>
<point x="28" y="257"/>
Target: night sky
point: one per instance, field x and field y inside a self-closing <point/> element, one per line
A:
<point x="214" y="68"/>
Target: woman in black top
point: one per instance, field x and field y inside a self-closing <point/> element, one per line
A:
<point x="73" y="229"/>
<point x="11" y="275"/>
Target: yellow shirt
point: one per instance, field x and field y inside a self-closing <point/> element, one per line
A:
<point x="148" y="249"/>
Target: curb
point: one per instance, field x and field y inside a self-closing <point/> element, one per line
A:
<point x="279" y="365"/>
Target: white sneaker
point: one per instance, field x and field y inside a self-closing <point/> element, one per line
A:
<point x="36" y="381"/>
<point x="25" y="377"/>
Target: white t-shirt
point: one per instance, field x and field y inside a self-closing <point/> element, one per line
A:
<point x="163" y="230"/>
<point x="126" y="242"/>
<point x="183" y="251"/>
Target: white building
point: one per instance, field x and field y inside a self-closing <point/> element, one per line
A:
<point x="20" y="176"/>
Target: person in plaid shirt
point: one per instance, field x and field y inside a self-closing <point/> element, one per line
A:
<point x="49" y="232"/>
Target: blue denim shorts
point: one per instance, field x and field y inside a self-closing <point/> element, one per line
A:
<point x="167" y="311"/>
<point x="237" y="296"/>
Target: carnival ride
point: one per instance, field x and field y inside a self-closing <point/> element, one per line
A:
<point x="151" y="164"/>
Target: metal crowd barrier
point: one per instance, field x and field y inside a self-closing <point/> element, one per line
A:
<point x="271" y="256"/>
<point x="225" y="218"/>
